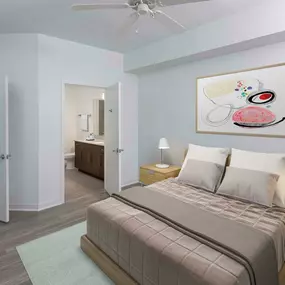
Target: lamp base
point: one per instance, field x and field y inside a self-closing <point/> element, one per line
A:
<point x="162" y="165"/>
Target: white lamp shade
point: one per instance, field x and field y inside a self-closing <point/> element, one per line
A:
<point x="163" y="144"/>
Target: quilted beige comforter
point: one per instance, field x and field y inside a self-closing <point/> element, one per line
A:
<point x="129" y="237"/>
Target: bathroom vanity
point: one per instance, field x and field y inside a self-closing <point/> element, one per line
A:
<point x="89" y="157"/>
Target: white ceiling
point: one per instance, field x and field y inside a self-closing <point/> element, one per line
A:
<point x="100" y="28"/>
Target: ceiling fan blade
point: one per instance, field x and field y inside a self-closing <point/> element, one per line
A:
<point x="86" y="7"/>
<point x="131" y="20"/>
<point x="169" y="18"/>
<point x="164" y="3"/>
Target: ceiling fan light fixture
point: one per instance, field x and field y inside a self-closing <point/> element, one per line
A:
<point x="143" y="9"/>
<point x="140" y="8"/>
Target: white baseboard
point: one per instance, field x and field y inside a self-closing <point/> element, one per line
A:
<point x="48" y="205"/>
<point x="24" y="208"/>
<point x="35" y="208"/>
<point x="131" y="184"/>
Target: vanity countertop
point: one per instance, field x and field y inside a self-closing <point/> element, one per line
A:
<point x="91" y="142"/>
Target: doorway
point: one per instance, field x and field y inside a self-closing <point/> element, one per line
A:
<point x="91" y="139"/>
<point x="83" y="130"/>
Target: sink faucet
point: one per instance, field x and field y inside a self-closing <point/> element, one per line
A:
<point x="90" y="137"/>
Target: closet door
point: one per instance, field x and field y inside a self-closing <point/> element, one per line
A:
<point x="112" y="138"/>
<point x="4" y="151"/>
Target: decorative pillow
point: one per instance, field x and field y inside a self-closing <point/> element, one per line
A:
<point x="202" y="174"/>
<point x="255" y="186"/>
<point x="209" y="154"/>
<point x="266" y="162"/>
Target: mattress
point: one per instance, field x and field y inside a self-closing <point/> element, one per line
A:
<point x="137" y="241"/>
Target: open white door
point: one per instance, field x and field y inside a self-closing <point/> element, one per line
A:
<point x="112" y="138"/>
<point x="4" y="151"/>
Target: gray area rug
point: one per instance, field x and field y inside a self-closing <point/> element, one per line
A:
<point x="57" y="259"/>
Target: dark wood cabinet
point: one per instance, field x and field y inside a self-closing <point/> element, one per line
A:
<point x="89" y="158"/>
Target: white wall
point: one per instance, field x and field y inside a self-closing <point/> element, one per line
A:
<point x="79" y="100"/>
<point x="18" y="59"/>
<point x="167" y="100"/>
<point x="38" y="66"/>
<point x="62" y="61"/>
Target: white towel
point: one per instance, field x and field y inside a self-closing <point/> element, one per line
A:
<point x="84" y="123"/>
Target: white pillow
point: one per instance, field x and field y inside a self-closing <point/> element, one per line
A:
<point x="208" y="154"/>
<point x="266" y="162"/>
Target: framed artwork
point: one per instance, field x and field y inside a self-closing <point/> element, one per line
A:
<point x="249" y="102"/>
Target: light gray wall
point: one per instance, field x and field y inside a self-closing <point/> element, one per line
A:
<point x="38" y="66"/>
<point x="167" y="100"/>
<point x="18" y="60"/>
<point x="61" y="62"/>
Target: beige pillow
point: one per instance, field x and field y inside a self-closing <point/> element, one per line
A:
<point x="202" y="174"/>
<point x="266" y="162"/>
<point x="255" y="186"/>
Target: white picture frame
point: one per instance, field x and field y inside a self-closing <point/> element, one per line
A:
<point x="248" y="102"/>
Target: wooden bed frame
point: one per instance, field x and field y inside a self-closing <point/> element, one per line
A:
<point x="115" y="272"/>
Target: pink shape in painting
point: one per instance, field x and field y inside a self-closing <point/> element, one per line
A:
<point x="253" y="115"/>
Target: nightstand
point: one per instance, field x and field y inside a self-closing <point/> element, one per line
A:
<point x="150" y="174"/>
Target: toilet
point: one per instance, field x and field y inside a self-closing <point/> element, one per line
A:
<point x="69" y="160"/>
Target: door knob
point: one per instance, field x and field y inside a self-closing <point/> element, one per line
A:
<point x="3" y="156"/>
<point x="118" y="150"/>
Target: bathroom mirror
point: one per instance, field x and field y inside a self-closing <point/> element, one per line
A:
<point x="98" y="117"/>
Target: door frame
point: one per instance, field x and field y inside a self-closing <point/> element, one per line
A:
<point x="63" y="84"/>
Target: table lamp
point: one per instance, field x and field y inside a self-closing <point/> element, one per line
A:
<point x="163" y="144"/>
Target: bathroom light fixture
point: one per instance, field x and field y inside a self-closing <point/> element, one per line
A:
<point x="103" y="96"/>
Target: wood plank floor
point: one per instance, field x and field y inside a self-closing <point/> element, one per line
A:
<point x="81" y="191"/>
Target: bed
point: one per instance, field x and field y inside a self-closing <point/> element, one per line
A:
<point x="134" y="245"/>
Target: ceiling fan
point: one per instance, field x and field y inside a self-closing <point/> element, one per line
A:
<point x="141" y="8"/>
